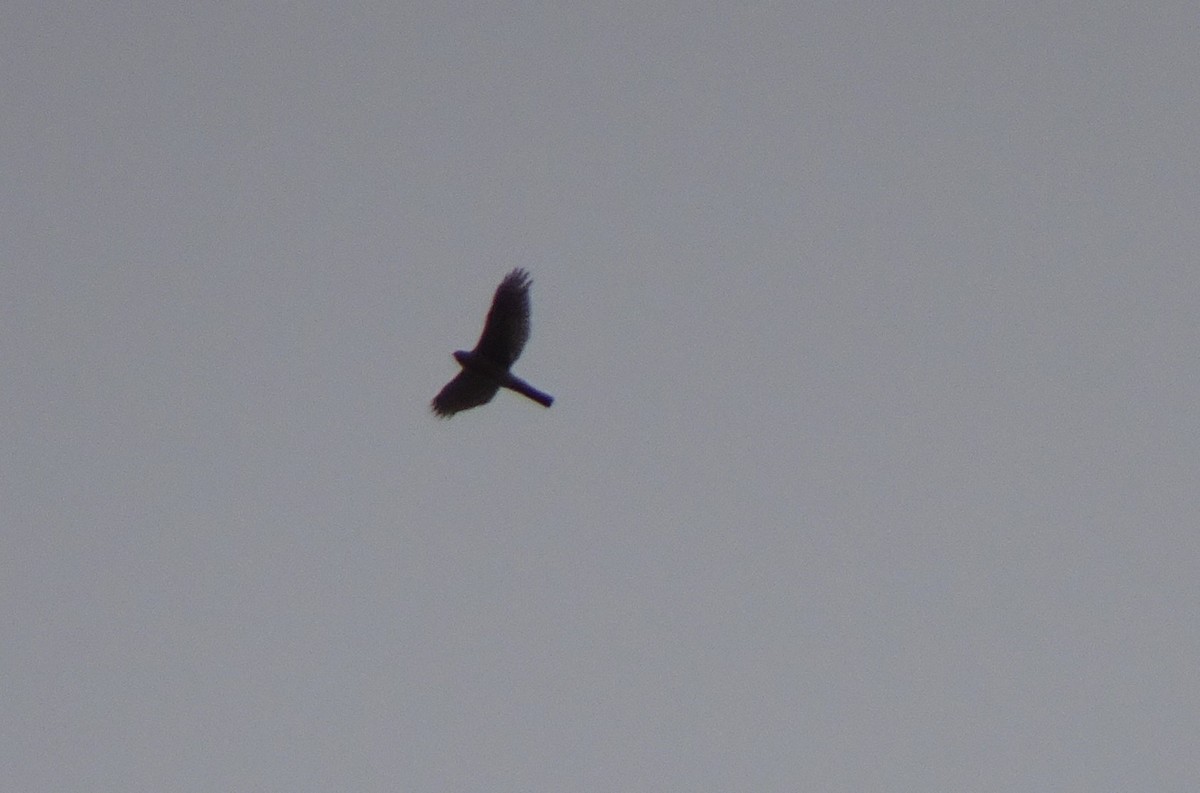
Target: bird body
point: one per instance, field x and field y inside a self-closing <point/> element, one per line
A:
<point x="472" y="362"/>
<point x="485" y="369"/>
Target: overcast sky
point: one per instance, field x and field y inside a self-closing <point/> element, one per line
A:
<point x="874" y="335"/>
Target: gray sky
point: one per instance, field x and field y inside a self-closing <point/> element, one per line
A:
<point x="874" y="336"/>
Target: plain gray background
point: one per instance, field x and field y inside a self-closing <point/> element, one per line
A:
<point x="874" y="334"/>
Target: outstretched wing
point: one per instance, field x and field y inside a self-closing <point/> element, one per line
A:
<point x="507" y="327"/>
<point x="466" y="390"/>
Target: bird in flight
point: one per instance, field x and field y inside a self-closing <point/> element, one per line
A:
<point x="485" y="369"/>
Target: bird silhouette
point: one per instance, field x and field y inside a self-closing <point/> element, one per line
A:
<point x="485" y="369"/>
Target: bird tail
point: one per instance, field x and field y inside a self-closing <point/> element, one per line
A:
<point x="525" y="389"/>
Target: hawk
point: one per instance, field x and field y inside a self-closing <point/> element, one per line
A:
<point x="485" y="369"/>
